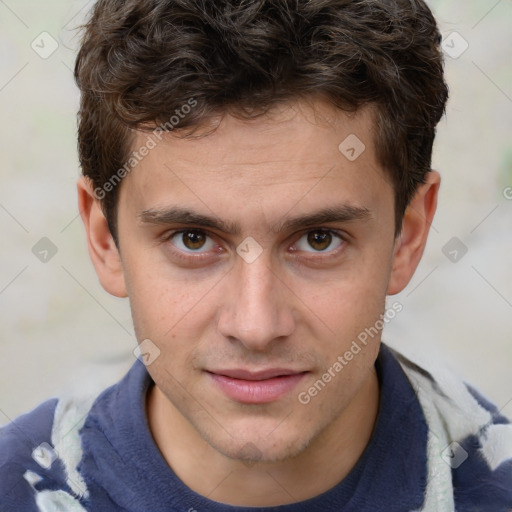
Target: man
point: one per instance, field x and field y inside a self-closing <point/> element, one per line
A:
<point x="257" y="180"/>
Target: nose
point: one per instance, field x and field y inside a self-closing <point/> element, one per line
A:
<point x="257" y="307"/>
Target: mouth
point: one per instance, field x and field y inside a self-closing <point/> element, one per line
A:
<point x="256" y="387"/>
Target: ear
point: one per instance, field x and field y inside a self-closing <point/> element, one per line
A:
<point x="409" y="246"/>
<point x="102" y="249"/>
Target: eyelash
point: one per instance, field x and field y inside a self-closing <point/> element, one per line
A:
<point x="317" y="256"/>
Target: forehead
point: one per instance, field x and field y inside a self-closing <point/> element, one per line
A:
<point x="307" y="153"/>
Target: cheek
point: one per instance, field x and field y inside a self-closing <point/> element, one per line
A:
<point x="168" y="301"/>
<point x="349" y="299"/>
<point x="164" y="300"/>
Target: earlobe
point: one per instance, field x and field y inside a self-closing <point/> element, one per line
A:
<point x="409" y="246"/>
<point x="102" y="248"/>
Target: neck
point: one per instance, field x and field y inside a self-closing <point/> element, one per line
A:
<point x="209" y="473"/>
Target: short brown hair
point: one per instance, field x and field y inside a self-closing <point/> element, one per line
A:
<point x="141" y="61"/>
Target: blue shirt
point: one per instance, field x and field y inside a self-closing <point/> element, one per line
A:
<point x="123" y="469"/>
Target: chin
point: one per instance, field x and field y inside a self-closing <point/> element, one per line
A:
<point x="253" y="447"/>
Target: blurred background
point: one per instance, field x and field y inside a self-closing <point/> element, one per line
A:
<point x="60" y="330"/>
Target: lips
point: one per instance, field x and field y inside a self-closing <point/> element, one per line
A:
<point x="259" y="375"/>
<point x="256" y="387"/>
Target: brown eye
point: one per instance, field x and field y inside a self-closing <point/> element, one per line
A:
<point x="319" y="241"/>
<point x="192" y="241"/>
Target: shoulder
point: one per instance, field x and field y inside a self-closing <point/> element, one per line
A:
<point x="39" y="454"/>
<point x="482" y="462"/>
<point x="25" y="450"/>
<point x="20" y="437"/>
<point x="470" y="440"/>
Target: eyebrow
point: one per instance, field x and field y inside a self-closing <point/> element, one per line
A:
<point x="177" y="215"/>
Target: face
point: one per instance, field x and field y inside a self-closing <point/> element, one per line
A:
<point x="253" y="257"/>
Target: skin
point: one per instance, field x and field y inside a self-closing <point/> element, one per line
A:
<point x="294" y="307"/>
